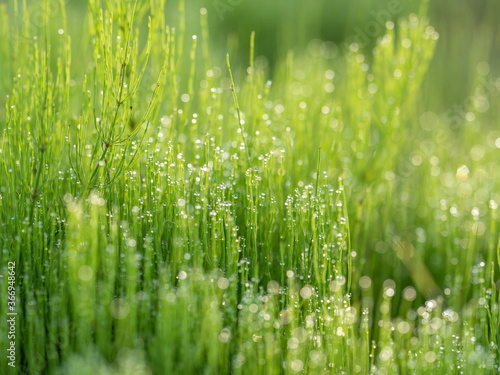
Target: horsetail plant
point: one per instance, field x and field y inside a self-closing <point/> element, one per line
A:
<point x="141" y="234"/>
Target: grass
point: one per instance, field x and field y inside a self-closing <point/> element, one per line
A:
<point x="170" y="213"/>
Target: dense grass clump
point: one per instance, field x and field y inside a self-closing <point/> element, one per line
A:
<point x="169" y="213"/>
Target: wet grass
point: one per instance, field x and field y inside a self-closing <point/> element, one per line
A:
<point x="171" y="213"/>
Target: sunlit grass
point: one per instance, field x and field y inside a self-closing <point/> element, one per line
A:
<point x="171" y="213"/>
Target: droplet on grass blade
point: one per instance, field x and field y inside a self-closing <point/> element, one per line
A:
<point x="306" y="292"/>
<point x="119" y="308"/>
<point x="273" y="287"/>
<point x="297" y="365"/>
<point x="409" y="293"/>
<point x="85" y="273"/>
<point x="223" y="283"/>
<point x="365" y="282"/>
<point x="224" y="335"/>
<point x="463" y="172"/>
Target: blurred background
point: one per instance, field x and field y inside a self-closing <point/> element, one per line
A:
<point x="469" y="32"/>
